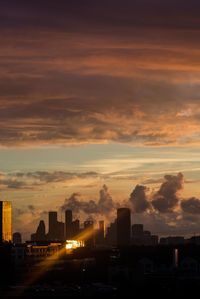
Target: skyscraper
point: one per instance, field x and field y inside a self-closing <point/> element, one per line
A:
<point x="123" y="227"/>
<point x="52" y="235"/>
<point x="75" y="228"/>
<point x="111" y="234"/>
<point x="137" y="230"/>
<point x="5" y="221"/>
<point x="68" y="224"/>
<point x="60" y="230"/>
<point x="100" y="235"/>
<point x="89" y="233"/>
<point x="40" y="232"/>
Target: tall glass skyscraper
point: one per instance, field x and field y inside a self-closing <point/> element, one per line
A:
<point x="5" y="221"/>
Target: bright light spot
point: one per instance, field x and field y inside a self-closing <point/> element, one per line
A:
<point x="73" y="244"/>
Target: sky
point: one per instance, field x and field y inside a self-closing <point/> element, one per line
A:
<point x="99" y="108"/>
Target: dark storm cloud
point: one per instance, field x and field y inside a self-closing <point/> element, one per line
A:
<point x="103" y="206"/>
<point x="105" y="203"/>
<point x="77" y="71"/>
<point x="191" y="205"/>
<point x="167" y="197"/>
<point x="75" y="204"/>
<point x="139" y="199"/>
<point x="165" y="200"/>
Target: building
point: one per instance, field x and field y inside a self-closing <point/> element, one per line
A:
<point x="172" y="240"/>
<point x="38" y="252"/>
<point x="40" y="234"/>
<point x="137" y="234"/>
<point x="60" y="230"/>
<point x="154" y="240"/>
<point x="111" y="234"/>
<point x="5" y="221"/>
<point x="123" y="227"/>
<point x="141" y="237"/>
<point x="88" y="233"/>
<point x="18" y="253"/>
<point x="56" y="228"/>
<point x="99" y="236"/>
<point x="137" y="230"/>
<point x="17" y="238"/>
<point x="68" y="225"/>
<point x="75" y="229"/>
<point x="52" y="235"/>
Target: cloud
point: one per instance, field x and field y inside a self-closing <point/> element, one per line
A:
<point x="103" y="206"/>
<point x="56" y="176"/>
<point x="191" y="205"/>
<point x="167" y="197"/>
<point x="94" y="74"/>
<point x="75" y="204"/>
<point x="139" y="199"/>
<point x="165" y="200"/>
<point x="35" y="179"/>
<point x="12" y="184"/>
<point x="105" y="203"/>
<point x="152" y="181"/>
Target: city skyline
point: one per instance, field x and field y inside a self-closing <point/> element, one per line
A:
<point x="102" y="93"/>
<point x="147" y="205"/>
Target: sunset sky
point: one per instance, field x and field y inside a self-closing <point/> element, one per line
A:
<point x="96" y="93"/>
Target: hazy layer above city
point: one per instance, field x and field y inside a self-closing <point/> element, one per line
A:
<point x="96" y="93"/>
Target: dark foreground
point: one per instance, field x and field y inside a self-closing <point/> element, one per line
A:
<point x="161" y="270"/>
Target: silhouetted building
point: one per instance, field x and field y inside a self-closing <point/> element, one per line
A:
<point x="18" y="253"/>
<point x="100" y="234"/>
<point x="154" y="240"/>
<point x="5" y="221"/>
<point x="147" y="233"/>
<point x="68" y="224"/>
<point x="17" y="238"/>
<point x="176" y="240"/>
<point x="52" y="222"/>
<point x="123" y="227"/>
<point x="56" y="228"/>
<point x="41" y="231"/>
<point x="147" y="238"/>
<point x="137" y="230"/>
<point x="89" y="233"/>
<point x="194" y="240"/>
<point x="40" y="234"/>
<point x="137" y="234"/>
<point x="38" y="252"/>
<point x="75" y="228"/>
<point x="60" y="230"/>
<point x="141" y="237"/>
<point x="111" y="234"/>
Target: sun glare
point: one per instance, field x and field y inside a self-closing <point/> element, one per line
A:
<point x="73" y="244"/>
